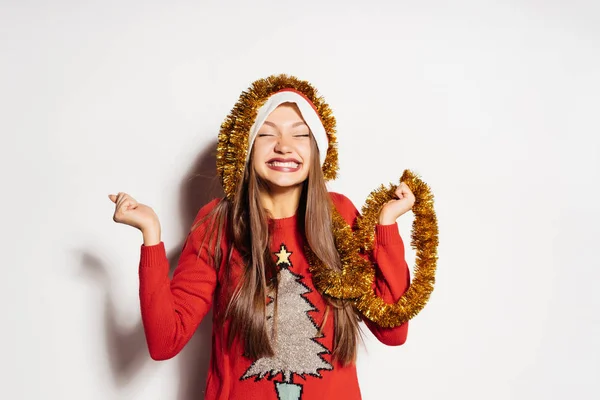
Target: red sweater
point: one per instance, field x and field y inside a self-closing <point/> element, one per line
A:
<point x="302" y="367"/>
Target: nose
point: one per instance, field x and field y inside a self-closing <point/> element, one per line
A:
<point x="283" y="145"/>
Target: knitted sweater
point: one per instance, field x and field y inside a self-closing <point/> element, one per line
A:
<point x="302" y="367"/>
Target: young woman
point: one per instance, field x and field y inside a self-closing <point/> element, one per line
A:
<point x="249" y="256"/>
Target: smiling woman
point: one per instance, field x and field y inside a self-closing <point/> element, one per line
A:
<point x="281" y="157"/>
<point x="252" y="255"/>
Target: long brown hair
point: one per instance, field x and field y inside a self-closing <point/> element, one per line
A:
<point x="245" y="222"/>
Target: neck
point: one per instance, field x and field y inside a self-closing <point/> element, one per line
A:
<point x="281" y="203"/>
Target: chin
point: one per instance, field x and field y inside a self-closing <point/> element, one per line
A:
<point x="284" y="183"/>
<point x="283" y="179"/>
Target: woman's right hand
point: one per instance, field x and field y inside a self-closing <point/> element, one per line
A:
<point x="129" y="212"/>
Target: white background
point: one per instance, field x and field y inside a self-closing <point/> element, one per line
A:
<point x="494" y="103"/>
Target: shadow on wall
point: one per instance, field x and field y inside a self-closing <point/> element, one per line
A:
<point x="201" y="186"/>
<point x="126" y="347"/>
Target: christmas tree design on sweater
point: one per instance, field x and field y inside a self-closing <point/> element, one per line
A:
<point x="297" y="352"/>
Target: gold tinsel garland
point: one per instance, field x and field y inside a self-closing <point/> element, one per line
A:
<point x="232" y="148"/>
<point x="424" y="239"/>
<point x="357" y="275"/>
<point x="356" y="279"/>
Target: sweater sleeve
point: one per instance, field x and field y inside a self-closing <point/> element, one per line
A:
<point x="173" y="308"/>
<point x="392" y="277"/>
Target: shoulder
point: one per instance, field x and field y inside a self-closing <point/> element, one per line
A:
<point x="206" y="212"/>
<point x="339" y="199"/>
<point x="208" y="208"/>
<point x="344" y="206"/>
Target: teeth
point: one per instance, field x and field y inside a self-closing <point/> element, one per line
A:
<point x="289" y="164"/>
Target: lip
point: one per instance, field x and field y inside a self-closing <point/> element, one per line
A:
<point x="279" y="159"/>
<point x="281" y="168"/>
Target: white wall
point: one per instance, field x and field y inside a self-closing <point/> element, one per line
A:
<point x="495" y="104"/>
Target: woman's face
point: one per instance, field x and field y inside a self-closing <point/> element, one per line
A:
<point x="282" y="149"/>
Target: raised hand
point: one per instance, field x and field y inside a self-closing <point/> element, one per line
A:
<point x="129" y="212"/>
<point x="395" y="208"/>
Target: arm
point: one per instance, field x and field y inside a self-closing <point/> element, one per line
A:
<point x="173" y="309"/>
<point x="392" y="279"/>
<point x="391" y="271"/>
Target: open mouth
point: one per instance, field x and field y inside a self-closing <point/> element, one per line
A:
<point x="288" y="164"/>
<point x="284" y="165"/>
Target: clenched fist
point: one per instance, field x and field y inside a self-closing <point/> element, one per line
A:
<point x="393" y="209"/>
<point x="129" y="212"/>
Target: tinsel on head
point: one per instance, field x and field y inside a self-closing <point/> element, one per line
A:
<point x="232" y="148"/>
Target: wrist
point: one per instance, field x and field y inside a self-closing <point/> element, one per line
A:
<point x="151" y="235"/>
<point x="386" y="219"/>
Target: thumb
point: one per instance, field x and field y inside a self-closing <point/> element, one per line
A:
<point x="112" y="198"/>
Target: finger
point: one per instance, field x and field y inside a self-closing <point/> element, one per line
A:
<point x="131" y="203"/>
<point x="119" y="197"/>
<point x="127" y="205"/>
<point x="407" y="193"/>
<point x="399" y="192"/>
<point x="405" y="188"/>
<point x="120" y="201"/>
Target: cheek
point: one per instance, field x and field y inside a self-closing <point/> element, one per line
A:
<point x="255" y="164"/>
<point x="259" y="152"/>
<point x="305" y="151"/>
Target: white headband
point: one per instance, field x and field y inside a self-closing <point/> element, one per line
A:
<point x="308" y="112"/>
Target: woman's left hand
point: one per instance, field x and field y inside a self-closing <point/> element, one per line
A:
<point x="395" y="208"/>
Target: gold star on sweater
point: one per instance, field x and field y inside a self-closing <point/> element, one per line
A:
<point x="283" y="257"/>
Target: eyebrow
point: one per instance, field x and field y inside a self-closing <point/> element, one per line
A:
<point x="297" y="124"/>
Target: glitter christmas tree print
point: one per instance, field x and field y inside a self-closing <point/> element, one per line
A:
<point x="297" y="352"/>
